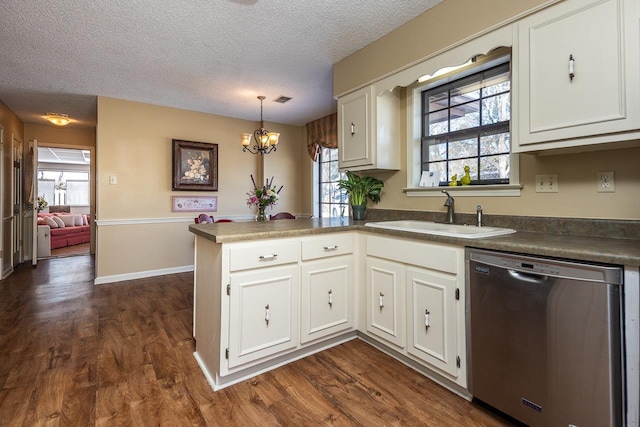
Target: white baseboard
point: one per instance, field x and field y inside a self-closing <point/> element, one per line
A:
<point x="141" y="274"/>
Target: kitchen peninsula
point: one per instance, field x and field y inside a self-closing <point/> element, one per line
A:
<point x="271" y="292"/>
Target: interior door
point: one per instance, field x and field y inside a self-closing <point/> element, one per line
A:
<point x="32" y="171"/>
<point x="16" y="227"/>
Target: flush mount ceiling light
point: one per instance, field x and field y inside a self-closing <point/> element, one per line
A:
<point x="265" y="141"/>
<point x="58" y="119"/>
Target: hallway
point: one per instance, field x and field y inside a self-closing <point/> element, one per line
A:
<point x="76" y="354"/>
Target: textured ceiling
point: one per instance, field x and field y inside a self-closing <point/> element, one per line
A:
<point x="212" y="56"/>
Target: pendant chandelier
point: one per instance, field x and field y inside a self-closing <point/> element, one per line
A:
<point x="265" y="141"/>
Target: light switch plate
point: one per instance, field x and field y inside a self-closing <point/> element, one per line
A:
<point x="547" y="183"/>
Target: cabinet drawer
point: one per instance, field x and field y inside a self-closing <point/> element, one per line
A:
<point x="326" y="246"/>
<point x="258" y="255"/>
<point x="434" y="256"/>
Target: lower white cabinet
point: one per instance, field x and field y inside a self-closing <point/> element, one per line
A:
<point x="264" y="305"/>
<point x="326" y="297"/>
<point x="432" y="318"/>
<point x="386" y="300"/>
<point x="261" y="303"/>
<point x="415" y="302"/>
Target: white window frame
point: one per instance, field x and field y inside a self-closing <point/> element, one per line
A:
<point x="451" y="57"/>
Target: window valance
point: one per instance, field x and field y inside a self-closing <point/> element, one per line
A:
<point x="322" y="133"/>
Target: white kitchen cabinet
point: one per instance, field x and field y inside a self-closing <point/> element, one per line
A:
<point x="386" y="301"/>
<point x="432" y="318"/>
<point x="326" y="297"/>
<point x="326" y="294"/>
<point x="599" y="104"/>
<point x="44" y="241"/>
<point x="264" y="314"/>
<point x="369" y="130"/>
<point x="422" y="285"/>
<point x="252" y="299"/>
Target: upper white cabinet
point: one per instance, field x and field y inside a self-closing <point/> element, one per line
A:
<point x="369" y="130"/>
<point x="576" y="75"/>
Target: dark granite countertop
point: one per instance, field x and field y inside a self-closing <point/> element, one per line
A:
<point x="621" y="251"/>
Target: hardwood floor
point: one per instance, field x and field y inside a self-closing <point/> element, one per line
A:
<point x="75" y="354"/>
<point x="82" y="249"/>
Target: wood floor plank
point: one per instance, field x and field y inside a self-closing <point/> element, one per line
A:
<point x="112" y="405"/>
<point x="146" y="399"/>
<point x="75" y="354"/>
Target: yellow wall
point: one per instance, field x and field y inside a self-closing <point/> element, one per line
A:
<point x="12" y="128"/>
<point x="134" y="144"/>
<point x="439" y="27"/>
<point x="48" y="135"/>
<point x="444" y="25"/>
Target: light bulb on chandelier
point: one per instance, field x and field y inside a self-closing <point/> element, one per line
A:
<point x="265" y="141"/>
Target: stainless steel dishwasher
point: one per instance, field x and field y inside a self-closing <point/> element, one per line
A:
<point x="545" y="338"/>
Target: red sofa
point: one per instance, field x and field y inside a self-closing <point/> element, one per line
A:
<point x="68" y="235"/>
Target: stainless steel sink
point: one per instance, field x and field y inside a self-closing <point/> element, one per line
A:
<point x="450" y="230"/>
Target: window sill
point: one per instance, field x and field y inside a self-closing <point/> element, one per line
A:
<point x="501" y="190"/>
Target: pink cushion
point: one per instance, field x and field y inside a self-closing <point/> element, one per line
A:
<point x="68" y="220"/>
<point x="58" y="221"/>
<point x="50" y="222"/>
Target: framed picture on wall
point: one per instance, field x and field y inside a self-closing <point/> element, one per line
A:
<point x="195" y="166"/>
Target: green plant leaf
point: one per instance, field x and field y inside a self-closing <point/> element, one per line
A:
<point x="360" y="189"/>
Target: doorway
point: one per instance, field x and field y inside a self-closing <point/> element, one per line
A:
<point x="63" y="188"/>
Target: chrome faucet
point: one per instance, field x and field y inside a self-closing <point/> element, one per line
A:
<point x="479" y="215"/>
<point x="449" y="205"/>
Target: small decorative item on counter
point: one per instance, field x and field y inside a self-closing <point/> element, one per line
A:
<point x="466" y="178"/>
<point x="263" y="197"/>
<point x="41" y="203"/>
<point x="361" y="189"/>
<point x="454" y="181"/>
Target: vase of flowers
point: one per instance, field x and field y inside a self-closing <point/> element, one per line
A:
<point x="41" y="203"/>
<point x="263" y="197"/>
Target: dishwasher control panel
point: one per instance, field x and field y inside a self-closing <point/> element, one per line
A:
<point x="547" y="266"/>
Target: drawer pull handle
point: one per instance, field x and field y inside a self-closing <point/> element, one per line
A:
<point x="353" y="129"/>
<point x="426" y="319"/>
<point x="381" y="300"/>
<point x="330" y="298"/>
<point x="331" y="248"/>
<point x="267" y="257"/>
<point x="266" y="314"/>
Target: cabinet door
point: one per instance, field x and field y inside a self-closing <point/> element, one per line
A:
<point x="326" y="298"/>
<point x="263" y="313"/>
<point x="433" y="333"/>
<point x="354" y="139"/>
<point x="598" y="99"/>
<point x="385" y="300"/>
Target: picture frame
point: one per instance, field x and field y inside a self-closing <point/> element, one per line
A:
<point x="194" y="204"/>
<point x="195" y="166"/>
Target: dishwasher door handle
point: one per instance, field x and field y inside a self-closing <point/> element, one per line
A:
<point x="528" y="277"/>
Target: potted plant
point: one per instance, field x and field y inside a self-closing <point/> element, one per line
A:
<point x="360" y="189"/>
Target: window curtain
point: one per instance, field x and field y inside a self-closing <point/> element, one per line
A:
<point x="322" y="133"/>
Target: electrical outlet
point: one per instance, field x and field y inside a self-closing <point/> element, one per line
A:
<point x="606" y="182"/>
<point x="547" y="183"/>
